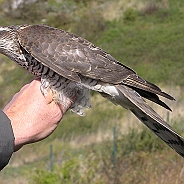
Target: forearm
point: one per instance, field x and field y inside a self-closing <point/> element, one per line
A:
<point x="29" y="117"/>
<point x="6" y="140"/>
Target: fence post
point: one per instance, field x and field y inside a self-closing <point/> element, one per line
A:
<point x="114" y="147"/>
<point x="51" y="159"/>
<point x="115" y="155"/>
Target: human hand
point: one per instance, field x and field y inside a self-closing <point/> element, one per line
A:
<point x="33" y="116"/>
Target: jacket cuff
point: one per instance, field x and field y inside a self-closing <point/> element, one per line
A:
<point x="6" y="140"/>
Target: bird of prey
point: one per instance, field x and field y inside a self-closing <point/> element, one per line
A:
<point x="71" y="66"/>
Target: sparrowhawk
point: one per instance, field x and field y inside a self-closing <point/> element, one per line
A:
<point x="71" y="66"/>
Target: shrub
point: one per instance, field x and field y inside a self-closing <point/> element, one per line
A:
<point x="130" y="15"/>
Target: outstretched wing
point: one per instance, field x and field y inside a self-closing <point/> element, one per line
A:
<point x="152" y="120"/>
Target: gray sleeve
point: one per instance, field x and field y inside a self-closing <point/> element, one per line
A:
<point x="6" y="140"/>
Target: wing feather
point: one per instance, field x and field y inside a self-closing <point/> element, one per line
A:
<point x="72" y="56"/>
<point x="65" y="52"/>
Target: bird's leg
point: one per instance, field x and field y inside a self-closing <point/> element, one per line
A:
<point x="46" y="90"/>
<point x="58" y="89"/>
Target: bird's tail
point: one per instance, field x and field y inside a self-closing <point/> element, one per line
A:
<point x="152" y="120"/>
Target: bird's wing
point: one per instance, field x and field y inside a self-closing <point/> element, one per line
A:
<point x="152" y="120"/>
<point x="70" y="55"/>
<point x="63" y="51"/>
<point x="152" y="97"/>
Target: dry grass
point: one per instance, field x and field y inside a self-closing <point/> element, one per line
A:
<point x="115" y="9"/>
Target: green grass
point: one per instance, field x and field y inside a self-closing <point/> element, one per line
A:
<point x="152" y="45"/>
<point x="138" y="154"/>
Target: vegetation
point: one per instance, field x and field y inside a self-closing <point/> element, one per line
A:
<point x="147" y="36"/>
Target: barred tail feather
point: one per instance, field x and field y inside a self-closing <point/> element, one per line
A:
<point x="152" y="120"/>
<point x="167" y="134"/>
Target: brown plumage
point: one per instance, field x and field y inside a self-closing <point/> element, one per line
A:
<point x="72" y="66"/>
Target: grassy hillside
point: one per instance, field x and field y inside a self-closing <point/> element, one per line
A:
<point x="147" y="36"/>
